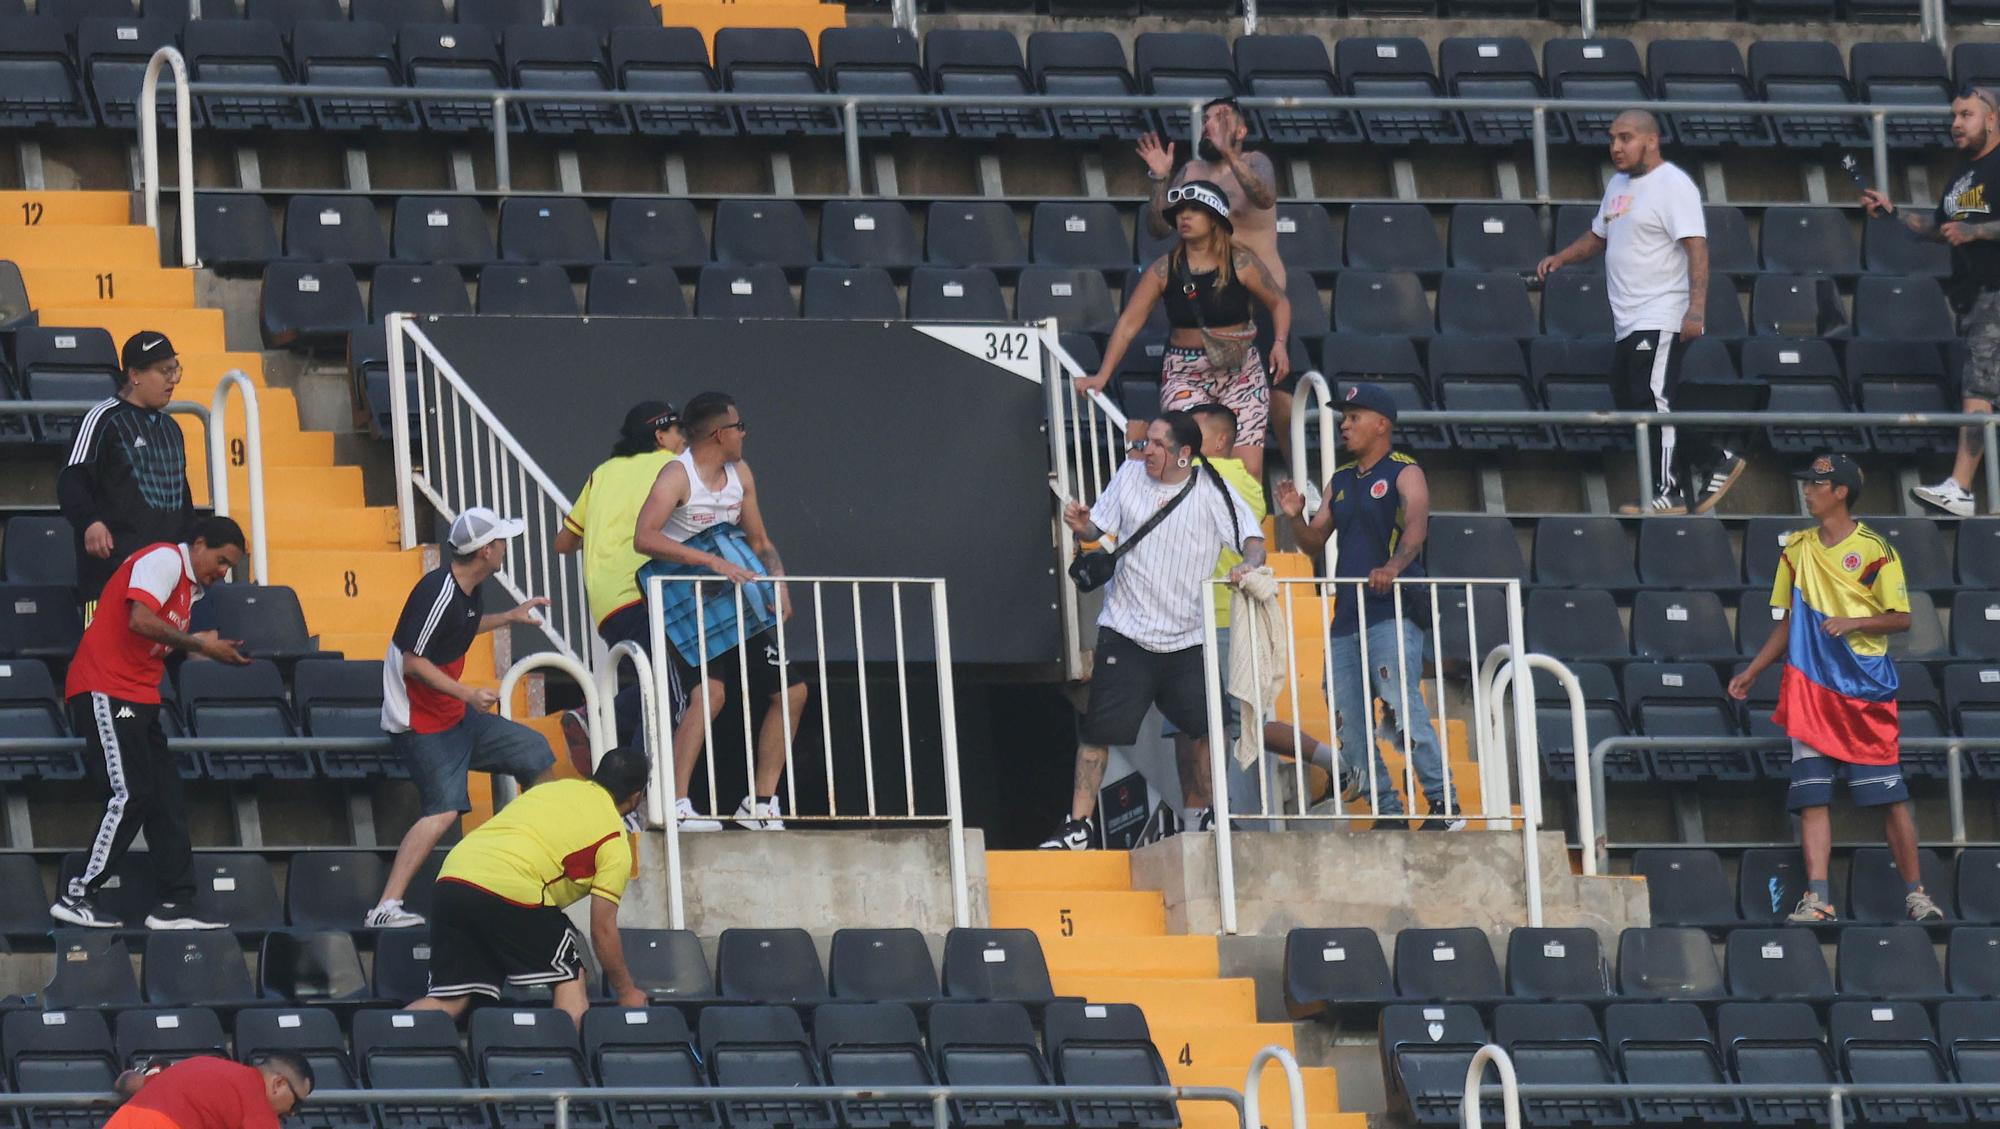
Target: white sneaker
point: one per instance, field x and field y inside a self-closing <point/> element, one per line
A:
<point x="171" y="916"/>
<point x="1948" y="496"/>
<point x="759" y="815"/>
<point x="687" y="820"/>
<point x="82" y="912"/>
<point x="391" y="915"/>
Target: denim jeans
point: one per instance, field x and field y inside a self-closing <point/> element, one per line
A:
<point x="1349" y="702"/>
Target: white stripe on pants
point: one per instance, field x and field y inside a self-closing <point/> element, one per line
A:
<point x="114" y="808"/>
<point x="1663" y="345"/>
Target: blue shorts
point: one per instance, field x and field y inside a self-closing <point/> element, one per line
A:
<point x="480" y="742"/>
<point x="1868" y="785"/>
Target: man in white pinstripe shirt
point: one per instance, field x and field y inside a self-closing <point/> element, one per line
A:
<point x="1149" y="633"/>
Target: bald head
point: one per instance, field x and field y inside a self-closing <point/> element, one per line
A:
<point x="1638" y="121"/>
<point x="1635" y="142"/>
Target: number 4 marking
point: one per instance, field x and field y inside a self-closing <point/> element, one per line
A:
<point x="1186" y="1057"/>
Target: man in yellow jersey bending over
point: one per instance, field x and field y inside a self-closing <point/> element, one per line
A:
<point x="497" y="913"/>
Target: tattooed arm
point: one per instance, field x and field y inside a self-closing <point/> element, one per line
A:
<point x="1257" y="176"/>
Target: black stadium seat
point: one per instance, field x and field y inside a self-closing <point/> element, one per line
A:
<point x="654" y="232"/>
<point x="38" y="549"/>
<point x="1558" y="1044"/>
<point x="777" y="966"/>
<point x="670" y="60"/>
<point x="1292" y="66"/>
<point x="401" y="1050"/>
<point x="93" y="969"/>
<point x="973" y="234"/>
<point x="39" y="85"/>
<point x="1395" y="67"/>
<point x="39" y="622"/>
<point x="1901" y="309"/>
<point x="868" y="233"/>
<point x="1079" y="234"/>
<point x="1393" y="237"/>
<point x="743" y="292"/>
<point x="538" y="289"/>
<point x="1771" y="880"/>
<point x="773" y="61"/>
<point x="1706" y="70"/>
<point x="31" y="708"/>
<point x="1340" y="973"/>
<point x="1892" y="1043"/>
<point x="1555" y="964"/>
<point x="409" y="289"/>
<point x="442" y="231"/>
<point x="1455" y="965"/>
<point x="566" y="59"/>
<point x="1381" y="303"/>
<point x="499" y="15"/>
<point x="1777" y="964"/>
<point x="1107" y="1045"/>
<point x="1576" y="625"/>
<point x="992" y="1044"/>
<point x="884" y="965"/>
<point x="1796" y="71"/>
<point x="996" y="964"/>
<point x="60" y="1052"/>
<point x="1911" y="74"/>
<point x="956" y="294"/>
<point x="1894" y="962"/>
<point x="1779" y="1043"/>
<point x="1876" y="888"/>
<point x="634" y="1047"/>
<point x="308" y="305"/>
<point x="233" y="234"/>
<point x="187" y="968"/>
<point x="764" y="1047"/>
<point x="1474" y="545"/>
<point x="315" y="1034"/>
<point x="866" y="293"/>
<point x="1972" y="960"/>
<point x="1496" y="67"/>
<point x="548" y="229"/>
<point x="1487" y="373"/>
<point x="333" y="889"/>
<point x="880" y="60"/>
<point x="1686" y="886"/>
<point x="334" y="229"/>
<point x="1086" y="64"/>
<point x="1077" y="299"/>
<point x="113" y="52"/>
<point x="1601" y="69"/>
<point x="1426" y="1052"/>
<point x="1669" y="1044"/>
<point x="315" y="966"/>
<point x="1809" y="241"/>
<point x="617" y="290"/>
<point x="1969" y="1033"/>
<point x="1583" y="552"/>
<point x="1193" y="66"/>
<point x="530" y="1048"/>
<point x="984" y="63"/>
<point x="361" y="53"/>
<point x="871" y="1045"/>
<point x="1686" y="553"/>
<point x="243" y="51"/>
<point x="1681" y="627"/>
<point x="442" y="56"/>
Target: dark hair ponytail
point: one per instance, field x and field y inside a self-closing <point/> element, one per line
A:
<point x="635" y="437"/>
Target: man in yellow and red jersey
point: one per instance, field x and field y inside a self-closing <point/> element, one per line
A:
<point x="1838" y="596"/>
<point x="498" y="911"/>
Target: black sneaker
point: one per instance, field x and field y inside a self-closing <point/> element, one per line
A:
<point x="1073" y="835"/>
<point x="172" y="915"/>
<point x="1391" y="821"/>
<point x="1721" y="477"/>
<point x="1443" y="823"/>
<point x="72" y="910"/>
<point x="1205" y="820"/>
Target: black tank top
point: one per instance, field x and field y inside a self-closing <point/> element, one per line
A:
<point x="1218" y="305"/>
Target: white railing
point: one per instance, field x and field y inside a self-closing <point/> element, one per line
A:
<point x="505" y="787"/>
<point x="451" y="449"/>
<point x="652" y="729"/>
<point x="1253" y="1086"/>
<point x="219" y="462"/>
<point x="1489" y="749"/>
<point x="1313" y="397"/>
<point x="830" y="615"/>
<point x="1510" y="1098"/>
<point x="149" y="146"/>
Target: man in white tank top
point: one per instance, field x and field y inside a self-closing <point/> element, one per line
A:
<point x="708" y="485"/>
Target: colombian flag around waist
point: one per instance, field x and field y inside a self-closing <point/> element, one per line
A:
<point x="1841" y="703"/>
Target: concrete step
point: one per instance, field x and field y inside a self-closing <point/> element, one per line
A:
<point x="370" y="529"/>
<point x="1186" y="958"/>
<point x="1085" y="913"/>
<point x="1219" y="1044"/>
<point x="42" y="208"/>
<point x="1322" y="1093"/>
<point x="313" y="486"/>
<point x="94" y="247"/>
<point x="334" y="614"/>
<point x="350" y="575"/>
<point x="190" y="329"/>
<point x="1058" y="870"/>
<point x="1168" y="1001"/>
<point x="85" y="288"/>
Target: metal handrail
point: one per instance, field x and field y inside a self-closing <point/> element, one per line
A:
<point x="1510" y="1085"/>
<point x="1835" y="1094"/>
<point x="1253" y="1081"/>
<point x="1313" y="395"/>
<point x="504" y="787"/>
<point x="851" y="105"/>
<point x="1593" y="814"/>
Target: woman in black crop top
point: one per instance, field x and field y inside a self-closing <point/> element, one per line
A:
<point x="1208" y="286"/>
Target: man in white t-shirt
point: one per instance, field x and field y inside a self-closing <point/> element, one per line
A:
<point x="1654" y="239"/>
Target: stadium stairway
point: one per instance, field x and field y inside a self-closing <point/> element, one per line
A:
<point x="87" y="264"/>
<point x="1108" y="943"/>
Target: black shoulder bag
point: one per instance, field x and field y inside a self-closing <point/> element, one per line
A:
<point x="1092" y="571"/>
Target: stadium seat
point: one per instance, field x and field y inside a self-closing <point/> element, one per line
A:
<point x="1017" y="974"/>
<point x="335" y="52"/>
<point x="1972" y="707"/>
<point x="1338" y="973"/>
<point x="1474" y="545"/>
<point x="1501" y="66"/>
<point x="1779" y="1043"/>
<point x="641" y="1047"/>
<point x="267" y="618"/>
<point x="92" y="970"/>
<point x="1555" y="965"/>
<point x="868" y="233"/>
<point x="31" y="708"/>
<point x="1706" y="70"/>
<point x="1309" y="242"/>
<point x="973" y="234"/>
<point x="850" y="292"/>
<point x="1902" y="309"/>
<point x="1901" y="377"/>
<point x="1488" y="620"/>
<point x="670" y="60"/>
<point x="763" y="1047"/>
<point x="1680" y="626"/>
<point x="617" y="290"/>
<point x="1309" y="313"/>
<point x="548" y="229"/>
<point x="1077" y="299"/>
<point x="1558" y="1044"/>
<point x="1969" y="1032"/>
<point x="1292" y="66"/>
<point x="1798" y="71"/>
<point x="243" y="51"/>
<point x="395" y="13"/>
<point x="530" y="1048"/>
<point x="402" y="1050"/>
<point x="1086" y="64"/>
<point x="882" y="965"/>
<point x="1393" y="237"/>
<point x="402" y="964"/>
<point x="1395" y="67"/>
<point x="1776" y="964"/>
<point x="38" y="550"/>
<point x="654" y="233"/>
<point x="1906" y="74"/>
<point x="1686" y="886"/>
<point x="1453" y="965"/>
<point x="315" y="1034"/>
<point x="196" y="968"/>
<point x="956" y="294"/>
<point x="983" y="63"/>
<point x="1193" y="66"/>
<point x="1583" y="552"/>
<point x="1668" y="963"/>
<point x="1107" y="1045"/>
<point x="1686" y="553"/>
<point x="1925" y="640"/>
<point x="1485" y="304"/>
<point x="991" y="1044"/>
<point x="1770" y="882"/>
<point x="1603" y="716"/>
<point x="343" y="698"/>
<point x="1576" y="625"/>
<point x="166" y="1035"/>
<point x="1887" y="247"/>
<point x="1809" y="241"/>
<point x="743" y="292"/>
<point x="233" y="234"/>
<point x="441" y="56"/>
<point x="113" y="52"/>
<point x="1084" y="235"/>
<point x="1893" y="962"/>
<point x="1683" y="699"/>
<point x="59" y="1052"/>
<point x="1571" y="375"/>
<point x="1975" y="624"/>
<point x="1876" y="889"/>
<point x="1496" y="237"/>
<point x="562" y="59"/>
<point x="1601" y="69"/>
<point x="1802" y="375"/>
<point x="1426" y="1052"/>
<point x="333" y="889"/>
<point x="773" y="61"/>
<point x="871" y="1045"/>
<point x="39" y="622"/>
<point x="39" y="86"/>
<point x="499" y="15"/>
<point x="317" y="966"/>
<point x="1795" y="306"/>
<point x="67" y="363"/>
<point x="1892" y="1043"/>
<point x="1385" y="303"/>
<point x="334" y="229"/>
<point x="1486" y="373"/>
<point x="776" y="966"/>
<point x="237" y="887"/>
<point x="535" y="290"/>
<point x="880" y="60"/>
<point x="24" y="900"/>
<point x="441" y="231"/>
<point x="308" y="305"/>
<point x="1669" y="1044"/>
<point x="1972" y="959"/>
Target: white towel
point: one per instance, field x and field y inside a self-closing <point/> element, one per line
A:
<point x="1256" y="658"/>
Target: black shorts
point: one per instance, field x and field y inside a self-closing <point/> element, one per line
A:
<point x="765" y="678"/>
<point x="479" y="939"/>
<point x="1127" y="679"/>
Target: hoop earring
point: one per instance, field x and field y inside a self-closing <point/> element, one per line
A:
<point x="1181" y="462"/>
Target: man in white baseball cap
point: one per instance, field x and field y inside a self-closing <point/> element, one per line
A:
<point x="442" y="728"/>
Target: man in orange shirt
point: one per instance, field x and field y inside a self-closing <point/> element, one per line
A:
<point x="214" y="1093"/>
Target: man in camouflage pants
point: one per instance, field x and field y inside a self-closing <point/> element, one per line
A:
<point x="1965" y="219"/>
